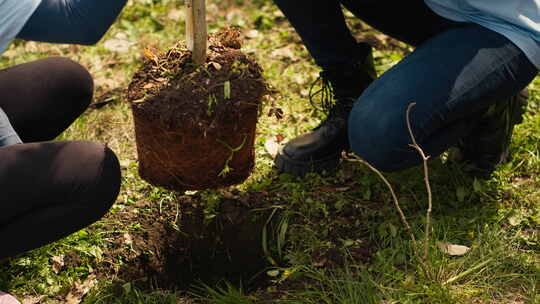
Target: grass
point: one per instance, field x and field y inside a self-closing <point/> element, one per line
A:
<point x="331" y="238"/>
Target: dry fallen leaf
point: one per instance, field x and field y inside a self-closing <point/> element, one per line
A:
<point x="58" y="263"/>
<point x="252" y="34"/>
<point x="176" y="14"/>
<point x="76" y="295"/>
<point x="32" y="300"/>
<point x="284" y="52"/>
<point x="117" y="45"/>
<point x="272" y="146"/>
<point x="453" y="249"/>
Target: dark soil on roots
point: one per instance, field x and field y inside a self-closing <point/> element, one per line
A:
<point x="195" y="126"/>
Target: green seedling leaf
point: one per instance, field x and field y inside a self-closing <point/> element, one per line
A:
<point x="212" y="102"/>
<point x="127" y="288"/>
<point x="348" y="243"/>
<point x="282" y="235"/>
<point x="227" y="90"/>
<point x="461" y="193"/>
<point x="367" y="194"/>
<point x="477" y="185"/>
<point x="393" y="230"/>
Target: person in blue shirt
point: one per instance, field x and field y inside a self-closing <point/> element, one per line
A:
<point x="468" y="74"/>
<point x="50" y="189"/>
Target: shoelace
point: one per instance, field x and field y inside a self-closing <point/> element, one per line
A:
<point x="332" y="109"/>
<point x="326" y="92"/>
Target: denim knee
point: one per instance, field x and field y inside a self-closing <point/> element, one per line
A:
<point x="378" y="137"/>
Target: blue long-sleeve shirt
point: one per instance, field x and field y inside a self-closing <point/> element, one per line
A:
<point x="517" y="20"/>
<point x="56" y="21"/>
<point x="8" y="136"/>
<point x="71" y="21"/>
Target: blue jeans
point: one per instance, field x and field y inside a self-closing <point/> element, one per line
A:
<point x="455" y="73"/>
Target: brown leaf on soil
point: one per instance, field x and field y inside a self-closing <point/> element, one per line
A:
<point x="277" y="112"/>
<point x="76" y="295"/>
<point x="285" y="52"/>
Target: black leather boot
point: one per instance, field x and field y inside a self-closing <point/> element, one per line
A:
<point x="488" y="144"/>
<point x="321" y="148"/>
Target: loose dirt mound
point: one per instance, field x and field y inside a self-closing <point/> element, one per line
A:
<point x="178" y="247"/>
<point x="195" y="126"/>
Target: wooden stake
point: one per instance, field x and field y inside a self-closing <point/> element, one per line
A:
<point x="196" y="32"/>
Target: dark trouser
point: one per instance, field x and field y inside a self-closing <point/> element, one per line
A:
<point x="50" y="189"/>
<point x="455" y="73"/>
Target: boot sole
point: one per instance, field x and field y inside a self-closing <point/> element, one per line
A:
<point x="286" y="164"/>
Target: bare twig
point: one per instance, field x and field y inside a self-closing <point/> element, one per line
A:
<point x="426" y="180"/>
<point x="422" y="259"/>
<point x="394" y="197"/>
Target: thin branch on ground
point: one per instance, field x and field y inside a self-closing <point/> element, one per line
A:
<point x="422" y="259"/>
<point x="426" y="180"/>
<point x="355" y="158"/>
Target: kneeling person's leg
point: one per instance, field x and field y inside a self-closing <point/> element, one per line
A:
<point x="50" y="190"/>
<point x="453" y="79"/>
<point x="42" y="98"/>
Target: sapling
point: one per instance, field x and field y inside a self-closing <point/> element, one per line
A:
<point x="196" y="32"/>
